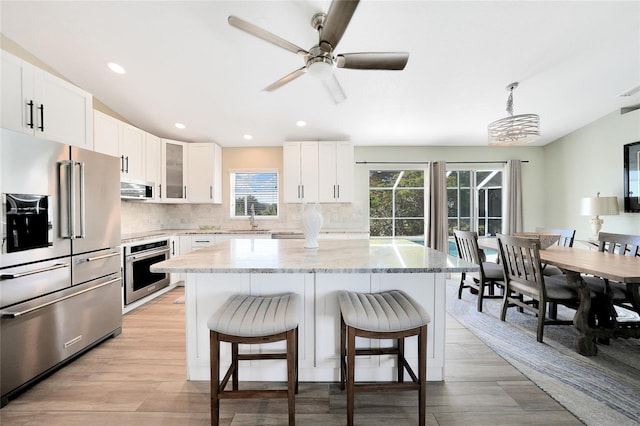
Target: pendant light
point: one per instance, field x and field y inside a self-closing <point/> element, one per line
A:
<point x="514" y="129"/>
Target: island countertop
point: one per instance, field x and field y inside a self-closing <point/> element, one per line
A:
<point x="333" y="256"/>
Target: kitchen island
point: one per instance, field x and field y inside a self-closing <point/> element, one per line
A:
<point x="264" y="266"/>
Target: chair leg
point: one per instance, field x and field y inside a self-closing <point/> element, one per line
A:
<point x="480" y="294"/>
<point x="542" y="311"/>
<point x="214" y="345"/>
<point x="422" y="375"/>
<point x="234" y="363"/>
<point x="461" y="287"/>
<point x="400" y="360"/>
<point x="505" y="305"/>
<point x="351" y="363"/>
<point x="295" y="347"/>
<point x="343" y="353"/>
<point x="291" y="382"/>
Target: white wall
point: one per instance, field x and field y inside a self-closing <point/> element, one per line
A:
<point x="585" y="162"/>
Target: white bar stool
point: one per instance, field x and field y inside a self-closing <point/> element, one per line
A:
<point x="387" y="315"/>
<point x="247" y="319"/>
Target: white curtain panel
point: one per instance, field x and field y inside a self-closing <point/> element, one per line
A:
<point x="437" y="224"/>
<point x="512" y="205"/>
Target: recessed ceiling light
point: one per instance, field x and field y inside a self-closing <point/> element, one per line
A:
<point x="180" y="126"/>
<point x="301" y="123"/>
<point x="118" y="69"/>
<point x="248" y="137"/>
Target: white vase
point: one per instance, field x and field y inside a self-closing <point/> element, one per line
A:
<point x="311" y="224"/>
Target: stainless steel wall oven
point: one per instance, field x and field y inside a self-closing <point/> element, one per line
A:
<point x="139" y="281"/>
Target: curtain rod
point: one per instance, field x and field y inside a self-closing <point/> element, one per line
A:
<point x="427" y="162"/>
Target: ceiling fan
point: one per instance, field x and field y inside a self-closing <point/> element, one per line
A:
<point x="321" y="60"/>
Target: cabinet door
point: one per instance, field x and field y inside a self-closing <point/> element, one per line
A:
<point x="174" y="246"/>
<point x="106" y="134"/>
<point x="173" y="166"/>
<point x="64" y="112"/>
<point x="309" y="171"/>
<point x="345" y="164"/>
<point x="300" y="163"/>
<point x="153" y="163"/>
<point x="132" y="153"/>
<point x="16" y="83"/>
<point x="336" y="172"/>
<point x="201" y="173"/>
<point x="291" y="168"/>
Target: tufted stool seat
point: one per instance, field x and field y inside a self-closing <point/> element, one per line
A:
<point x="386" y="315"/>
<point x="245" y="319"/>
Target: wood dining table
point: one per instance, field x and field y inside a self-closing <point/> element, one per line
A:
<point x="574" y="262"/>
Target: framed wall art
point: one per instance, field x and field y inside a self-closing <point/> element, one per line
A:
<point x="632" y="177"/>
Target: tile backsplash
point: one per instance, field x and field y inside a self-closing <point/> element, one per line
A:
<point x="143" y="217"/>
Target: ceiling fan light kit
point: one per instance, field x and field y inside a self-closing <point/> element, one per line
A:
<point x="514" y="129"/>
<point x="320" y="61"/>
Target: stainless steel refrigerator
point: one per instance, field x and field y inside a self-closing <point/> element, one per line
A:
<point x="60" y="263"/>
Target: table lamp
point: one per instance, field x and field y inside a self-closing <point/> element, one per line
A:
<point x="598" y="206"/>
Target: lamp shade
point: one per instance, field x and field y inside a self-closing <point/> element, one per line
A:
<point x="599" y="206"/>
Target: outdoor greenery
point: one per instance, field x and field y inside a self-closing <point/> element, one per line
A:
<point x="396" y="203"/>
<point x="243" y="207"/>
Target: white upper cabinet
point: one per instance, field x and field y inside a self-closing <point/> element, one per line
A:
<point x="132" y="154"/>
<point x="174" y="185"/>
<point x="318" y="172"/>
<point x="300" y="163"/>
<point x="336" y="172"/>
<point x="204" y="173"/>
<point x="107" y="132"/>
<point x="153" y="163"/>
<point x="38" y="103"/>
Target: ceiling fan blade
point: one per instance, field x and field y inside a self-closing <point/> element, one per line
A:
<point x="336" y="22"/>
<point x="335" y="90"/>
<point x="286" y="79"/>
<point x="373" y="60"/>
<point x="248" y="27"/>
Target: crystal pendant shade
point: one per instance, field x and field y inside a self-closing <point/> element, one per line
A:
<point x="514" y="129"/>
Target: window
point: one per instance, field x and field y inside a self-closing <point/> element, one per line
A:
<point x="396" y="203"/>
<point x="474" y="201"/>
<point x="254" y="190"/>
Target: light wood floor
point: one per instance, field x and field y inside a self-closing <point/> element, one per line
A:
<point x="138" y="378"/>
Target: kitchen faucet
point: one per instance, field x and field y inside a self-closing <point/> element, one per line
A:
<point x="252" y="218"/>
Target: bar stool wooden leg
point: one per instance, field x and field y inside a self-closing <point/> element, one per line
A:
<point x="351" y="365"/>
<point x="234" y="363"/>
<point x="422" y="375"/>
<point x="291" y="381"/>
<point x="343" y="353"/>
<point x="400" y="343"/>
<point x="214" y="345"/>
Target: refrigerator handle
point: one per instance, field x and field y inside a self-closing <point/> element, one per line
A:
<point x="66" y="198"/>
<point x="82" y="202"/>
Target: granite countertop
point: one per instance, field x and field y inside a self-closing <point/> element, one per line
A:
<point x="147" y="235"/>
<point x="333" y="256"/>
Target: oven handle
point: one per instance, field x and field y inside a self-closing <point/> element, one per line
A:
<point x="145" y="255"/>
<point x="9" y="314"/>
<point x="33" y="271"/>
<point x="104" y="256"/>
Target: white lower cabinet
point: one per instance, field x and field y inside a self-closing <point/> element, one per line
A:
<point x="319" y="324"/>
<point x="174" y="250"/>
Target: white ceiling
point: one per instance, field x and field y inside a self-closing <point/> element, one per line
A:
<point x="186" y="64"/>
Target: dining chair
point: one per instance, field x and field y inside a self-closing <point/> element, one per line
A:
<point x="525" y="285"/>
<point x="566" y="240"/>
<point x="621" y="295"/>
<point x="490" y="274"/>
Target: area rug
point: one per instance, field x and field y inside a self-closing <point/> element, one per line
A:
<point x="599" y="390"/>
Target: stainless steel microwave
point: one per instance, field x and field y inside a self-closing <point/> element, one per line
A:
<point x="136" y="191"/>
